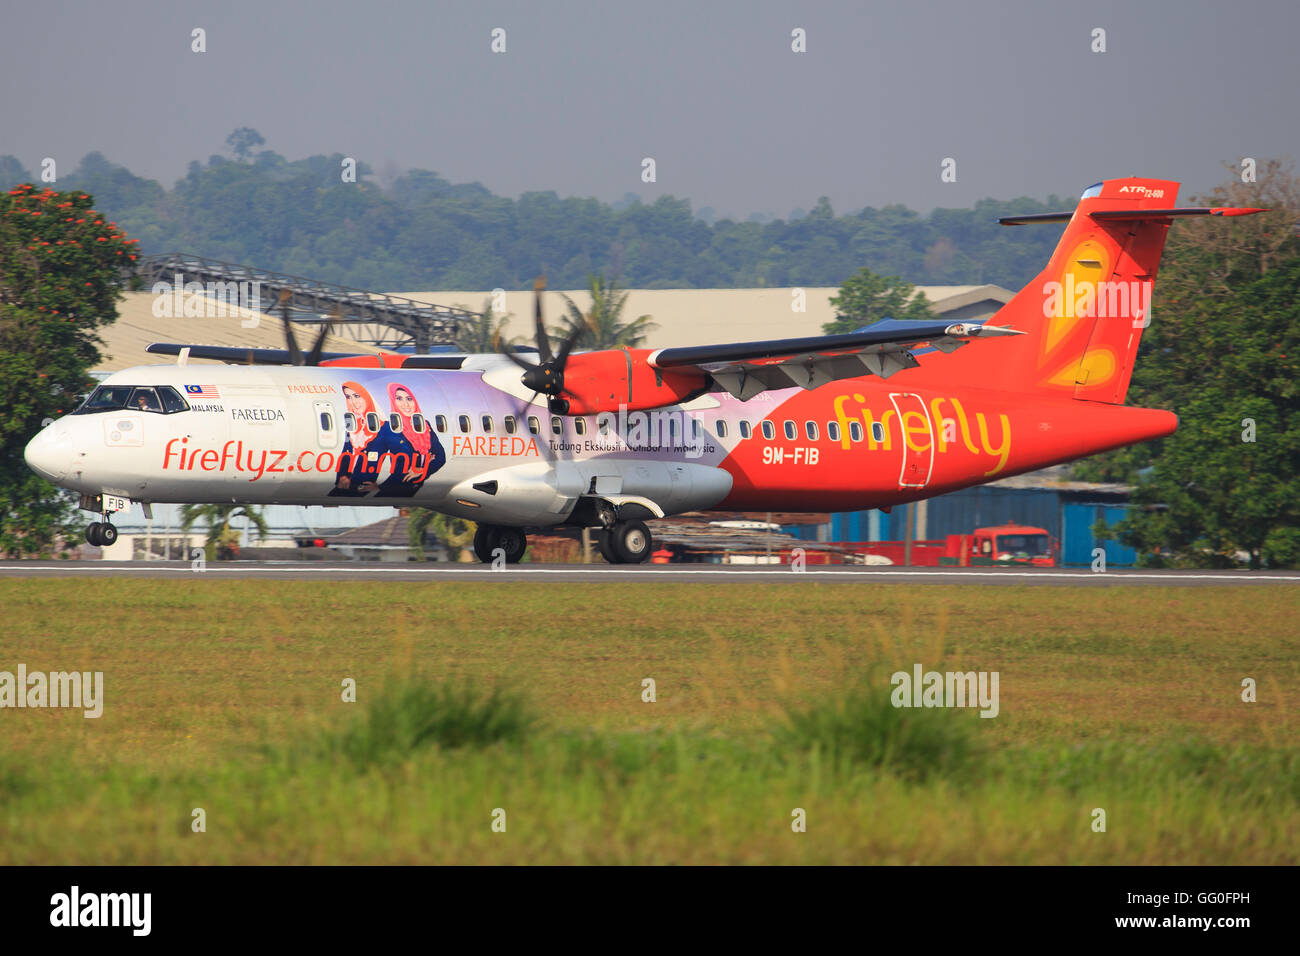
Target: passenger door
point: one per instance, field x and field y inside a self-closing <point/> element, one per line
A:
<point x="917" y="430"/>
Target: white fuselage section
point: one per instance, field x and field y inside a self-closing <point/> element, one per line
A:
<point x="464" y="442"/>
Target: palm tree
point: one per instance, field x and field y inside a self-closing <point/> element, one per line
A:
<point x="223" y="541"/>
<point x="456" y="533"/>
<point x="602" y="325"/>
<point x="483" y="333"/>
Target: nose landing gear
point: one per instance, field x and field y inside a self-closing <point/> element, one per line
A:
<point x="101" y="534"/>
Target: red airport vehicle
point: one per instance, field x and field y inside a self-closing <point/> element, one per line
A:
<point x="996" y="546"/>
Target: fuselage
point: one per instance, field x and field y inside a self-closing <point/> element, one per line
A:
<point x="471" y="442"/>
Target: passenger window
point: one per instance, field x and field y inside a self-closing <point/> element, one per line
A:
<point x="878" y="431"/>
<point x="695" y="429"/>
<point x="487" y="424"/>
<point x="463" y="422"/>
<point x="557" y="427"/>
<point x="721" y="428"/>
<point x="833" y="431"/>
<point x="372" y="421"/>
<point x="810" y="429"/>
<point x="326" y="422"/>
<point x="745" y="431"/>
<point x="534" y="426"/>
<point x="145" y="400"/>
<point x="769" y="430"/>
<point x="511" y="425"/>
<point x="418" y="423"/>
<point x="395" y="422"/>
<point x="349" y="421"/>
<point x="790" y="430"/>
<point x="440" y="422"/>
<point x="855" y="431"/>
<point x="580" y="426"/>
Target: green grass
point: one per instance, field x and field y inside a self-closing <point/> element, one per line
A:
<point x="227" y="695"/>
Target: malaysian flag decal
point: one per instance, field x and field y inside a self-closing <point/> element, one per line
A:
<point x="202" y="391"/>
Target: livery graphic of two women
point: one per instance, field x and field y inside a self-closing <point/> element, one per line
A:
<point x="411" y="451"/>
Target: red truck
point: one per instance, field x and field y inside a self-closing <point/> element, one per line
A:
<point x="1001" y="545"/>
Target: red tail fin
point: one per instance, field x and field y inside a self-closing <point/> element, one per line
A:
<point x="1084" y="314"/>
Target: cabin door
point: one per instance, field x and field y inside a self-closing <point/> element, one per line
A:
<point x="917" y="443"/>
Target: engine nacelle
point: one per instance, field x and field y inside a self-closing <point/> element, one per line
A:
<point x="620" y="378"/>
<point x="538" y="493"/>
<point x="545" y="493"/>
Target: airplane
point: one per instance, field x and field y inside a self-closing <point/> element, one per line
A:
<point x="612" y="439"/>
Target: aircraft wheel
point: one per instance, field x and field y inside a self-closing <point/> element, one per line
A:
<point x="92" y="533"/>
<point x="631" y="542"/>
<point x="485" y="542"/>
<point x="514" y="542"/>
<point x="107" y="534"/>
<point x="606" y="546"/>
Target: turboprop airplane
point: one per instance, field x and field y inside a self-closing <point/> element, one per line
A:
<point x="894" y="412"/>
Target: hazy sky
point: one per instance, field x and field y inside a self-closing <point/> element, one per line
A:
<point x="711" y="90"/>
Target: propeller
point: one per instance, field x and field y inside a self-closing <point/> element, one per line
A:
<point x="547" y="376"/>
<point x="296" y="356"/>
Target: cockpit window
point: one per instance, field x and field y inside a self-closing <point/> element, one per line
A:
<point x="172" y="401"/>
<point x="161" y="400"/>
<point x="145" y="400"/>
<point x="106" y="398"/>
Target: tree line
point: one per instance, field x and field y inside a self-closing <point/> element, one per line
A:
<point x="421" y="232"/>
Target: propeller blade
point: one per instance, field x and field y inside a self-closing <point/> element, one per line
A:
<point x="543" y="342"/>
<point x="516" y="359"/>
<point x="295" y="353"/>
<point x="567" y="346"/>
<point x="313" y="357"/>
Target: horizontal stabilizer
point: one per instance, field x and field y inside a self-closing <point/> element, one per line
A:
<point x="1129" y="215"/>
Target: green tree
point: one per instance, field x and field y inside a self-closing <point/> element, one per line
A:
<point x="602" y="325"/>
<point x="60" y="275"/>
<point x="1222" y="352"/>
<point x="243" y="140"/>
<point x="866" y="298"/>
<point x="483" y="333"/>
<point x="222" y="540"/>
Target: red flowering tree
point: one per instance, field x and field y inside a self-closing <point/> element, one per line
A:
<point x="61" y="268"/>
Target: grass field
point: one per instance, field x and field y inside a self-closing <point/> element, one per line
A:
<point x="227" y="696"/>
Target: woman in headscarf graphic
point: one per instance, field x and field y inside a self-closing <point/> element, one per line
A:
<point x="358" y="470"/>
<point x="411" y="449"/>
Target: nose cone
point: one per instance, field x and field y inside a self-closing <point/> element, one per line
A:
<point x="49" y="454"/>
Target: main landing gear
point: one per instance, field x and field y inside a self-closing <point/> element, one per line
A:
<point x="489" y="539"/>
<point x="625" y="542"/>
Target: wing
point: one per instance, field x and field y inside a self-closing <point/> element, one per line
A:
<point x="747" y="368"/>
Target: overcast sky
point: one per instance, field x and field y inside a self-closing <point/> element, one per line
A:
<point x="712" y="91"/>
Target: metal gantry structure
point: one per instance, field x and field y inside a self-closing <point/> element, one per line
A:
<point x="374" y="318"/>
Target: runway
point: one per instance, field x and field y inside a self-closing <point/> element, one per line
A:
<point x="838" y="574"/>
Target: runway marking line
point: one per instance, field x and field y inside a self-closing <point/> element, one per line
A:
<point x="624" y="572"/>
